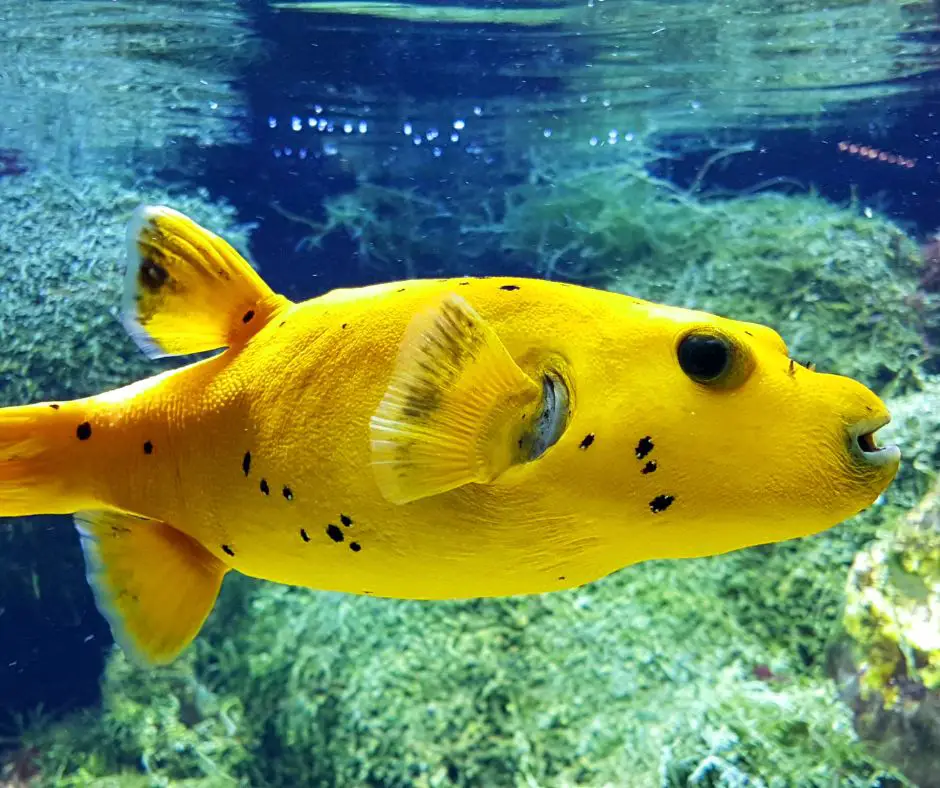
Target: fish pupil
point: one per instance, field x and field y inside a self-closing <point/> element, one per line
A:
<point x="704" y="357"/>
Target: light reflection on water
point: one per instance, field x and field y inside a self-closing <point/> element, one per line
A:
<point x="598" y="73"/>
<point x="384" y="83"/>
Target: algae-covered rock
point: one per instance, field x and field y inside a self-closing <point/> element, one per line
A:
<point x="706" y="672"/>
<point x="62" y="256"/>
<point x="62" y="259"/>
<point x="645" y="678"/>
<point x="893" y="618"/>
<point x="153" y="729"/>
<point x="839" y="283"/>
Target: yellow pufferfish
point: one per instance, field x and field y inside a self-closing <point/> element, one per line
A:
<point x="424" y="439"/>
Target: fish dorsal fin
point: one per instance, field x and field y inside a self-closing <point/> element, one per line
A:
<point x="186" y="290"/>
<point x="154" y="584"/>
<point x="454" y="409"/>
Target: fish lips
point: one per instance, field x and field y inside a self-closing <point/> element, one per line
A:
<point x="865" y="448"/>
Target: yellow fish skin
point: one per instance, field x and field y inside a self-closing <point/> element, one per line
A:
<point x="425" y="440"/>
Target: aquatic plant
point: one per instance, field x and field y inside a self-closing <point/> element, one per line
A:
<point x="62" y="246"/>
<point x="837" y="282"/>
<point x="161" y="729"/>
<point x="587" y="687"/>
<point x="708" y="672"/>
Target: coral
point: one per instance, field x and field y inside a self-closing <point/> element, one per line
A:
<point x="892" y="617"/>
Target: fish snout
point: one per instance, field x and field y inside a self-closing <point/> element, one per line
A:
<point x="863" y="443"/>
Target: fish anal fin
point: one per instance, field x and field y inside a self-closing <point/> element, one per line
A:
<point x="454" y="408"/>
<point x="186" y="290"/>
<point x="154" y="584"/>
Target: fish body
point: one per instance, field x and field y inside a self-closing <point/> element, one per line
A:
<point x="427" y="439"/>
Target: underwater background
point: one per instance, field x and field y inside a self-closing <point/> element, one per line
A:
<point x="769" y="160"/>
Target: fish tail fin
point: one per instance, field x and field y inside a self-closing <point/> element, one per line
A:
<point x="40" y="472"/>
<point x="186" y="290"/>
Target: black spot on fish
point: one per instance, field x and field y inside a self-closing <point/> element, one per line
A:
<point x="246" y="462"/>
<point x="264" y="486"/>
<point x="588" y="440"/>
<point x="84" y="431"/>
<point x="355" y="546"/>
<point x="287" y="493"/>
<point x="334" y="532"/>
<point x="368" y="593"/>
<point x="660" y="503"/>
<point x="649" y="467"/>
<point x="282" y="324"/>
<point x="148" y="448"/>
<point x="463" y="283"/>
<point x="56" y="407"/>
<point x="228" y="550"/>
<point x="246" y="318"/>
<point x="400" y="290"/>
<point x="304" y="535"/>
<point x="345" y="520"/>
<point x="509" y="287"/>
<point x="749" y="333"/>
<point x="644" y="447"/>
<point x="562" y="577"/>
<point x="344" y="325"/>
<point x="151" y="275"/>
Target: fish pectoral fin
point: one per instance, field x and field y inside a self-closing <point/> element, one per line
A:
<point x="186" y="290"/>
<point x="454" y="409"/>
<point x="155" y="585"/>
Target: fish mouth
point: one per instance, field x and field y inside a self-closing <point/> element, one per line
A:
<point x="865" y="445"/>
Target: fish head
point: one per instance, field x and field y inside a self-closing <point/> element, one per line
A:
<point x="705" y="428"/>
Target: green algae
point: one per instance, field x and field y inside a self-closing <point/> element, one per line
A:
<point x="708" y="672"/>
<point x="839" y="283"/>
<point x="587" y="687"/>
<point x="62" y="251"/>
<point x="62" y="243"/>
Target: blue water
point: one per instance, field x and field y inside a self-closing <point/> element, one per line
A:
<point x="278" y="112"/>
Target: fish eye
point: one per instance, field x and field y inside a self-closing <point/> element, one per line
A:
<point x="705" y="357"/>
